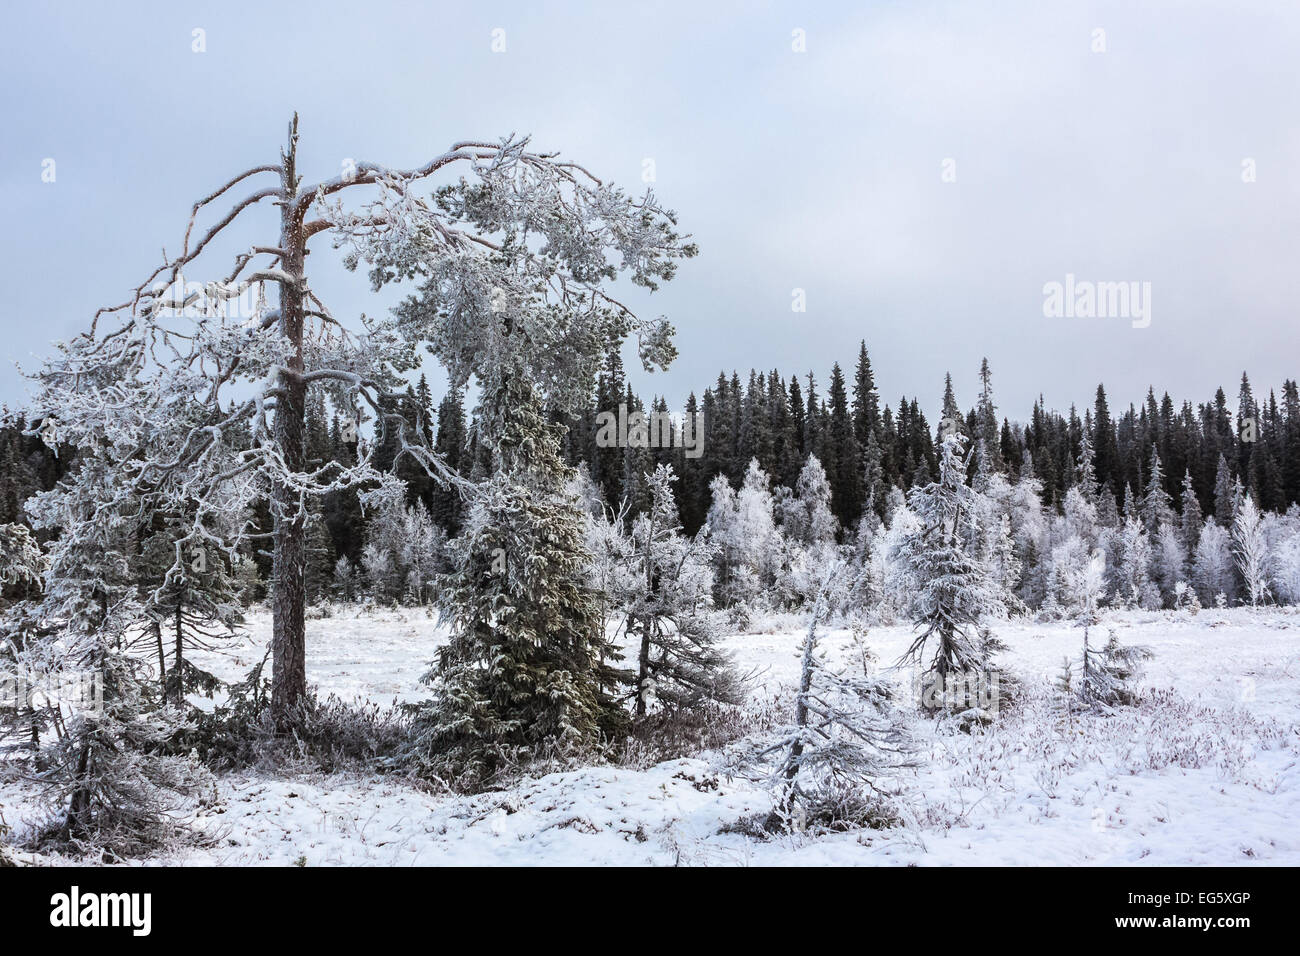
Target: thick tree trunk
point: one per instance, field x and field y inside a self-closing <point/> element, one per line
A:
<point x="288" y="635"/>
<point x="643" y="668"/>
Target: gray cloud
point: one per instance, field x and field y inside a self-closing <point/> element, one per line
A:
<point x="818" y="170"/>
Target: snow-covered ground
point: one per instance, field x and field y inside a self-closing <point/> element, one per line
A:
<point x="1206" y="772"/>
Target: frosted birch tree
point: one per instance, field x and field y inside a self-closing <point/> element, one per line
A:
<point x="1250" y="550"/>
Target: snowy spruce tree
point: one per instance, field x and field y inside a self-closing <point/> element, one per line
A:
<point x="527" y="672"/>
<point x="954" y="593"/>
<point x="1191" y="518"/>
<point x="1102" y="677"/>
<point x="806" y="515"/>
<point x="1170" y="562"/>
<point x="1105" y="675"/>
<point x="808" y="528"/>
<point x="187" y="609"/>
<point x="23" y="567"/>
<point x="846" y="733"/>
<point x="679" y="663"/>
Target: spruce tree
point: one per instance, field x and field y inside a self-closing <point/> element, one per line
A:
<point x="1103" y="679"/>
<point x="842" y="459"/>
<point x="527" y="672"/>
<point x="987" y="418"/>
<point x="1191" y="517"/>
<point x="1103" y="442"/>
<point x="450" y="439"/>
<point x="1291" y="442"/>
<point x="105" y="771"/>
<point x="1157" y="509"/>
<point x="846" y="732"/>
<point x="866" y="401"/>
<point x="954" y="592"/>
<point x="679" y="663"/>
<point x="188" y="604"/>
<point x="798" y="421"/>
<point x="1224" y="494"/>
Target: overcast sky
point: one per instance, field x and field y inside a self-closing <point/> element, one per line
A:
<point x="820" y="170"/>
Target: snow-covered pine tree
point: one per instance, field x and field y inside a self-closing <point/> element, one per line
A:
<point x="1030" y="533"/>
<point x="319" y="548"/>
<point x="1250" y="550"/>
<point x="1065" y="684"/>
<point x="1085" y="473"/>
<point x="1157" y="508"/>
<point x="344" y="582"/>
<point x="22" y="563"/>
<point x="846" y="733"/>
<point x="404" y="549"/>
<point x="742" y="527"/>
<point x="1191" y="517"/>
<point x="954" y="592"/>
<point x="527" y="672"/>
<point x="1225" y="503"/>
<point x="521" y="239"/>
<point x="808" y="528"/>
<point x="679" y="662"/>
<point x="993" y="542"/>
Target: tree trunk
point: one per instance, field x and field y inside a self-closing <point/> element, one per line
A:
<point x="643" y="667"/>
<point x="780" y="814"/>
<point x="801" y="703"/>
<point x="643" y="658"/>
<point x="162" y="659"/>
<point x="288" y="633"/>
<point x="178" y="671"/>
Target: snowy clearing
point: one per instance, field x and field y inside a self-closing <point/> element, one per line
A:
<point x="1206" y="772"/>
